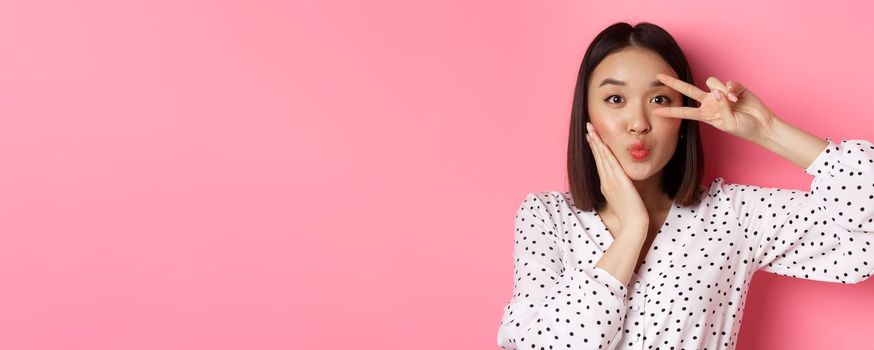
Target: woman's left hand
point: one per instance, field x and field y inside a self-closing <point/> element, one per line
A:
<point x="730" y="108"/>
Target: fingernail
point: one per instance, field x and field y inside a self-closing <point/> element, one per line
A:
<point x="588" y="126"/>
<point x="732" y="97"/>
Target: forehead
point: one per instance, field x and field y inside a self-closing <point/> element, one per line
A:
<point x="635" y="66"/>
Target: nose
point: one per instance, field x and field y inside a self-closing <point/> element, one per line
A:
<point x="639" y="122"/>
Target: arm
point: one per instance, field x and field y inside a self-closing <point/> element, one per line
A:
<point x="620" y="258"/>
<point x="825" y="234"/>
<point x="556" y="305"/>
<point x="790" y="142"/>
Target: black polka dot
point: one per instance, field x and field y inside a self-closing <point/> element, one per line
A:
<point x="696" y="273"/>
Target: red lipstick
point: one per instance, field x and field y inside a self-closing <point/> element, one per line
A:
<point x="639" y="150"/>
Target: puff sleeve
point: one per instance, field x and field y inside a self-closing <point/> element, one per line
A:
<point x="555" y="305"/>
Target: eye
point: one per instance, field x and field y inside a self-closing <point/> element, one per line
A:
<point x="610" y="99"/>
<point x="664" y="99"/>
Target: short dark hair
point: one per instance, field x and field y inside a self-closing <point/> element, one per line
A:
<point x="683" y="173"/>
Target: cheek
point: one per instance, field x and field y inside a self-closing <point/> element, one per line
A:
<point x="669" y="137"/>
<point x="602" y="116"/>
<point x="597" y="112"/>
<point x="610" y="132"/>
<point x="667" y="126"/>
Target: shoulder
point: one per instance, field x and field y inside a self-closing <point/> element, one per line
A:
<point x="545" y="200"/>
<point x="549" y="205"/>
<point x="710" y="192"/>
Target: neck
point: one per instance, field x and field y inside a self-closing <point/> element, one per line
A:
<point x="650" y="192"/>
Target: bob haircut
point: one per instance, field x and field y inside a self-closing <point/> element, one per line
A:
<point x="682" y="175"/>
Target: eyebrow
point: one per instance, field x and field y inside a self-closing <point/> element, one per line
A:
<point x="622" y="83"/>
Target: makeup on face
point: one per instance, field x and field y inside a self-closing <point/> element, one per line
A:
<point x="639" y="150"/>
<point x="623" y="93"/>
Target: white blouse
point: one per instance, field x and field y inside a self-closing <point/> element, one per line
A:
<point x="690" y="289"/>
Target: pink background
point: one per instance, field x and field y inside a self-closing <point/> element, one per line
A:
<point x="339" y="174"/>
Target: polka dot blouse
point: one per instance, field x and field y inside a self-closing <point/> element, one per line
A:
<point x="690" y="288"/>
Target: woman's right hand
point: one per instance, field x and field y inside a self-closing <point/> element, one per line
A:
<point x="617" y="188"/>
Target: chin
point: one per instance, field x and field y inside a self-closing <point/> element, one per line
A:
<point x="639" y="171"/>
<point x="639" y="176"/>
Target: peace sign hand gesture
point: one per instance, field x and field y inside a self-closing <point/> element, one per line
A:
<point x="731" y="108"/>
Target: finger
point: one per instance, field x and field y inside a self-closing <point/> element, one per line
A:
<point x="596" y="152"/>
<point x="610" y="158"/>
<point x="715" y="84"/>
<point x="679" y="112"/>
<point x="724" y="107"/>
<point x="735" y="88"/>
<point x="683" y="87"/>
<point x="611" y="165"/>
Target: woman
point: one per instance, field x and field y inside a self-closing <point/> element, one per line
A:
<point x="639" y="254"/>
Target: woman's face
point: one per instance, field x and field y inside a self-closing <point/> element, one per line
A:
<point x="623" y="92"/>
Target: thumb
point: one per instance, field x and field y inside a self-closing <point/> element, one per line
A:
<point x="724" y="107"/>
<point x="735" y="87"/>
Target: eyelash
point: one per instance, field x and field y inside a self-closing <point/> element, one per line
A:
<point x="609" y="97"/>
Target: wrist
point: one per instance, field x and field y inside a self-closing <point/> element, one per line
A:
<point x="790" y="142"/>
<point x="632" y="236"/>
<point x="767" y="136"/>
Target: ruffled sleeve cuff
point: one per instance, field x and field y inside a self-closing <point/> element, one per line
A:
<point x="825" y="160"/>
